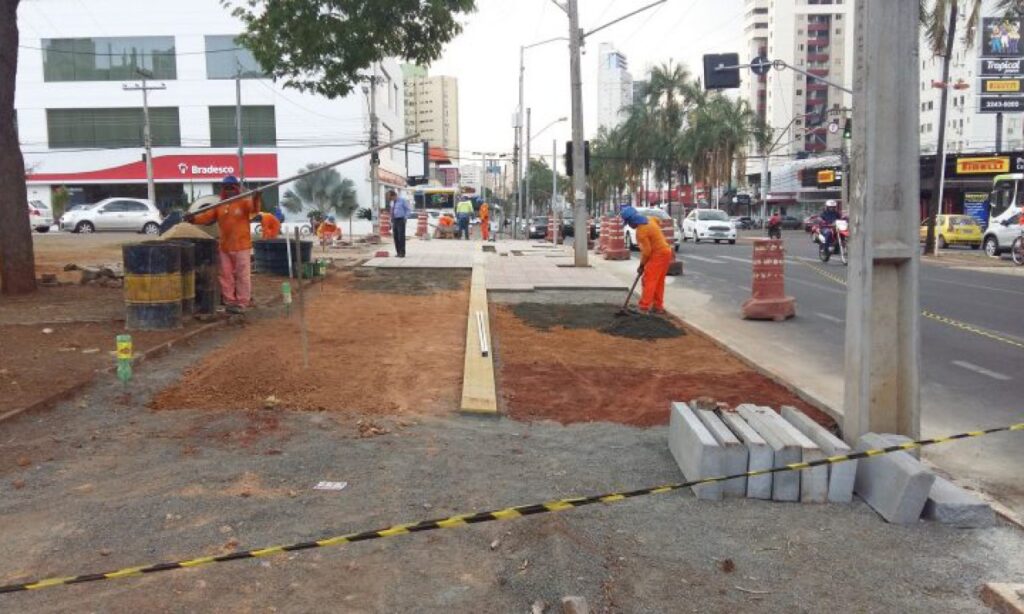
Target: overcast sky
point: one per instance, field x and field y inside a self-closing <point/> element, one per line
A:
<point x="485" y="58"/>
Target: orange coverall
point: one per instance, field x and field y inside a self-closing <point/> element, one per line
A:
<point x="656" y="256"/>
<point x="270" y="225"/>
<point x="485" y="221"/>
<point x="327" y="231"/>
<point x="235" y="246"/>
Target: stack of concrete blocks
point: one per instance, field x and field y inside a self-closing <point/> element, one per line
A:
<point x="902" y="489"/>
<point x="840" y="475"/>
<point x="695" y="450"/>
<point x="790" y="447"/>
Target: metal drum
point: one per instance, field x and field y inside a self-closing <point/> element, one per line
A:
<point x="188" y="277"/>
<point x="152" y="285"/>
<point x="272" y="255"/>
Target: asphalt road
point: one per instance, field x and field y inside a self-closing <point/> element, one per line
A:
<point x="970" y="380"/>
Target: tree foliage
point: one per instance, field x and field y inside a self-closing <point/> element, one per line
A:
<point x="323" y="46"/>
<point x="324" y="192"/>
<point x="539" y="174"/>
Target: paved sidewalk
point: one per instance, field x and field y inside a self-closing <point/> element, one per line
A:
<point x="512" y="266"/>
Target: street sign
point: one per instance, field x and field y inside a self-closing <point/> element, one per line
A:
<point x="1002" y="67"/>
<point x="760" y="65"/>
<point x="1002" y="86"/>
<point x="833" y="127"/>
<point x="721" y="71"/>
<point x="1000" y="104"/>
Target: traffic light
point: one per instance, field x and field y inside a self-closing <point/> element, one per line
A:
<point x="569" y="158"/>
<point x="848" y="129"/>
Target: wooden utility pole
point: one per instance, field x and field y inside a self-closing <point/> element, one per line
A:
<point x="882" y="310"/>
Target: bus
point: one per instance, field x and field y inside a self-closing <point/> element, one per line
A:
<point x="1004" y="209"/>
<point x="435" y="197"/>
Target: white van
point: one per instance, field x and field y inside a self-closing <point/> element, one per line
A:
<point x="1004" y="220"/>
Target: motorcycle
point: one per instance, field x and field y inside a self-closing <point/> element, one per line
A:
<point x="839" y="244"/>
<point x="775" y="231"/>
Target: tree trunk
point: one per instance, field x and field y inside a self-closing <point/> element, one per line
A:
<point x="17" y="259"/>
<point x="940" y="151"/>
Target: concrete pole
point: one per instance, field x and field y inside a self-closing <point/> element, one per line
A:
<point x="238" y="126"/>
<point x="528" y="205"/>
<point x="765" y="187"/>
<point x="882" y="311"/>
<point x="147" y="138"/>
<point x="554" y="171"/>
<point x="579" y="179"/>
<point x="374" y="158"/>
<point x="519" y="145"/>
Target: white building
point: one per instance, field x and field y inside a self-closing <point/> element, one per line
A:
<point x="815" y="36"/>
<point x="79" y="128"/>
<point x="967" y="130"/>
<point x="432" y="108"/>
<point x="614" y="87"/>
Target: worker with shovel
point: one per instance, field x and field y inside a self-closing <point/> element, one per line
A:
<point x="235" y="243"/>
<point x="656" y="256"/>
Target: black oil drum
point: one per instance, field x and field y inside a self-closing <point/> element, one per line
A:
<point x="271" y="255"/>
<point x="207" y="274"/>
<point x="152" y="285"/>
<point x="188" y="277"/>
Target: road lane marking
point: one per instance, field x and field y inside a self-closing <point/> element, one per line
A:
<point x="735" y="259"/>
<point x="963" y="364"/>
<point x="956" y="283"/>
<point x="702" y="259"/>
<point x="825" y="316"/>
<point x="821" y="287"/>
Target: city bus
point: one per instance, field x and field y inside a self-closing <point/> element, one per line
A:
<point x="437" y="198"/>
<point x="1004" y="213"/>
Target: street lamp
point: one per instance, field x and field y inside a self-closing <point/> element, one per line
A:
<point x="483" y="169"/>
<point x="539" y="132"/>
<point x="554" y="161"/>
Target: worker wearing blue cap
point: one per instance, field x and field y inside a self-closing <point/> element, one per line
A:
<point x="235" y="242"/>
<point x="655" y="258"/>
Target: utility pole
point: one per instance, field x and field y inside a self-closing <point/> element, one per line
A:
<point x="554" y="171"/>
<point x="579" y="179"/>
<point x="147" y="135"/>
<point x="528" y="205"/>
<point x="238" y="125"/>
<point x="518" y="209"/>
<point x="374" y="158"/>
<point x="881" y="392"/>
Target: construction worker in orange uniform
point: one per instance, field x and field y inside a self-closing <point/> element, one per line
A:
<point x="270" y="226"/>
<point x="485" y="221"/>
<point x="235" y="243"/>
<point x="328" y="230"/>
<point x="656" y="256"/>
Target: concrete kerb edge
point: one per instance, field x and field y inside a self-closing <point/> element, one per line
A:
<point x="1001" y="510"/>
<point x="77" y="388"/>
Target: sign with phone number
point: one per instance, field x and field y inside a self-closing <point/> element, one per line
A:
<point x="1000" y="104"/>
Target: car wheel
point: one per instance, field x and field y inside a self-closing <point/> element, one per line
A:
<point x="975" y="246"/>
<point x="305" y="230"/>
<point x="991" y="247"/>
<point x="152" y="228"/>
<point x="716" y="241"/>
<point x="85" y="227"/>
<point x="42" y="229"/>
<point x="732" y="241"/>
<point x="942" y="242"/>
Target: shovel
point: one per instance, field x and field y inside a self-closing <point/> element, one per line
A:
<point x="625" y="306"/>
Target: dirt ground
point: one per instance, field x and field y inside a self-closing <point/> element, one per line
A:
<point x="369" y="351"/>
<point x="581" y="363"/>
<point x="117" y="484"/>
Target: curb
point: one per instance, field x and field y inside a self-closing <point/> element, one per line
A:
<point x="154" y="352"/>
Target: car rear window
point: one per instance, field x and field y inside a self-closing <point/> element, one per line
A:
<point x="962" y="221"/>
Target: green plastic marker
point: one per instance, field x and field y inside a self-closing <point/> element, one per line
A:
<point x="286" y="293"/>
<point x="124" y="358"/>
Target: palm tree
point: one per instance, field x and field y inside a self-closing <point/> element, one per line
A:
<point x="671" y="94"/>
<point x="939" y="22"/>
<point x="325" y="192"/>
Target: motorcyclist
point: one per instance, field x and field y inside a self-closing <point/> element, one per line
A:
<point x="828" y="216"/>
<point x="775" y="224"/>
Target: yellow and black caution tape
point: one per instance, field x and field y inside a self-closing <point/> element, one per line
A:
<point x="964" y="326"/>
<point x="507" y="513"/>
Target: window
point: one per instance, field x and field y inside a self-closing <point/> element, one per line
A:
<point x="225" y="58"/>
<point x="259" y="127"/>
<point x="108" y="59"/>
<point x="123" y="127"/>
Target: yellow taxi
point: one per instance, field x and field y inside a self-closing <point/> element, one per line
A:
<point x="955" y="230"/>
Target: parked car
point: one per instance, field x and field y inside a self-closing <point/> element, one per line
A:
<point x="537" y="227"/>
<point x="1001" y="232"/>
<point x="954" y="230"/>
<point x="791" y="223"/>
<point x="742" y="222"/>
<point x="39" y="216"/>
<point x="708" y="224"/>
<point x="631" y="243"/>
<point x="569" y="227"/>
<point x="124" y="214"/>
<point x="810" y="221"/>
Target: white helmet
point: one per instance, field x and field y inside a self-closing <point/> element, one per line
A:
<point x="831" y="203"/>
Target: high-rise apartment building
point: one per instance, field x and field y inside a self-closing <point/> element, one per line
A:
<point x="432" y="108"/>
<point x="614" y="87"/>
<point x="812" y="35"/>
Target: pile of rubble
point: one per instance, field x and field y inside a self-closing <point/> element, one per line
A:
<point x="720" y="441"/>
<point x="106" y="275"/>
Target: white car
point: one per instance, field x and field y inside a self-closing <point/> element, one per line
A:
<point x="39" y="216"/>
<point x="1001" y="231"/>
<point x="658" y="213"/>
<point x="124" y="214"/>
<point x="708" y="225"/>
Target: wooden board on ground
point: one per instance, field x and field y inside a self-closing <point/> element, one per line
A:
<point x="478" y="393"/>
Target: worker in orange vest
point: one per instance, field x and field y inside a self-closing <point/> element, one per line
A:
<point x="235" y="243"/>
<point x="656" y="256"/>
<point x="328" y="230"/>
<point x="270" y="226"/>
<point x="485" y="221"/>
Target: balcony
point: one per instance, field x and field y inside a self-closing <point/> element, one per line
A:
<point x="819" y="72"/>
<point x="822" y="42"/>
<point x="816" y="86"/>
<point x="817" y="57"/>
<point x="817" y="27"/>
<point x="815" y="147"/>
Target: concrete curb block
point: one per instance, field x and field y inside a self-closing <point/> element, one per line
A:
<point x="895" y="485"/>
<point x="695" y="450"/>
<point x="734" y="453"/>
<point x="759" y="455"/>
<point x="786" y="485"/>
<point x="1003" y="598"/>
<point x="841" y="475"/>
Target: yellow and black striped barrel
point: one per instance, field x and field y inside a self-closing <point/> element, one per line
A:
<point x="152" y="285"/>
<point x="188" y="277"/>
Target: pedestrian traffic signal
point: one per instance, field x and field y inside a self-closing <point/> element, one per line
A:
<point x="848" y="129"/>
<point x="569" y="159"/>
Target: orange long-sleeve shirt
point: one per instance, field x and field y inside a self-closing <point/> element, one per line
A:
<point x="651" y="240"/>
<point x="270" y="225"/>
<point x="233" y="221"/>
<point x="484" y="213"/>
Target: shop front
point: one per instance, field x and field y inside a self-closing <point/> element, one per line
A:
<point x="968" y="181"/>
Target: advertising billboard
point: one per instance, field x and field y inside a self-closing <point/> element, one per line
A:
<point x="1001" y="37"/>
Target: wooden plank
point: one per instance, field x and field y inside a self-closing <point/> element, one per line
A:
<point x="478" y="392"/>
